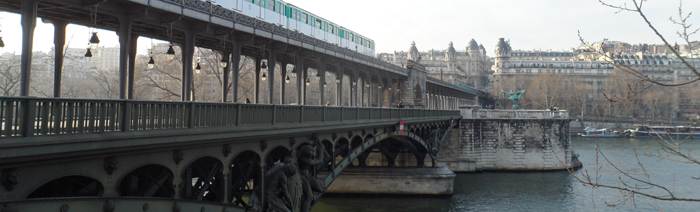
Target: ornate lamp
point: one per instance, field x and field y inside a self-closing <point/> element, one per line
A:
<point x="151" y="63"/>
<point x="294" y="72"/>
<point x="88" y="55"/>
<point x="94" y="41"/>
<point x="170" y="54"/>
<point x="308" y="81"/>
<point x="224" y="61"/>
<point x="286" y="79"/>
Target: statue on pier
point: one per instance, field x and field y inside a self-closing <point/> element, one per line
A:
<point x="515" y="97"/>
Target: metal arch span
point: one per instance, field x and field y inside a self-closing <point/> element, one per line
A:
<point x="367" y="146"/>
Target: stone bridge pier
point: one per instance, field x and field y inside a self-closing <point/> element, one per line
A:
<point x="508" y="140"/>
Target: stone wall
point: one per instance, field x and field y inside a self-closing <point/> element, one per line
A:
<point x="516" y="144"/>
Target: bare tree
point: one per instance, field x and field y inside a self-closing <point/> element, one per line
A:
<point x="9" y="74"/>
<point x="629" y="183"/>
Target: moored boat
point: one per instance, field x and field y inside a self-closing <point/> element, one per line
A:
<point x="592" y="132"/>
<point x="681" y="132"/>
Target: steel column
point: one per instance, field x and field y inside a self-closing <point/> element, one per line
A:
<point x="283" y="81"/>
<point x="271" y="63"/>
<point x="225" y="87"/>
<point x="125" y="23"/>
<point x="235" y="64"/>
<point x="29" y="13"/>
<point x="299" y="67"/>
<point x="321" y="82"/>
<point x="59" y="40"/>
<point x="256" y="97"/>
<point x="187" y="63"/>
<point x="369" y="90"/>
<point x="339" y="86"/>
<point x="132" y="63"/>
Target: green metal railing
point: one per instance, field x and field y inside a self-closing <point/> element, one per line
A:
<point x="30" y="116"/>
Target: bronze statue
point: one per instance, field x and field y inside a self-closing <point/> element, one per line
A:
<point x="306" y="161"/>
<point x="277" y="196"/>
<point x="515" y="97"/>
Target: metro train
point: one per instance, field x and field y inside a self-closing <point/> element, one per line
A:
<point x="294" y="18"/>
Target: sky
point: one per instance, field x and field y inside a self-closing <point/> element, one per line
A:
<point x="393" y="24"/>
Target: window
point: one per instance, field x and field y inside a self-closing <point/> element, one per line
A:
<point x="270" y="5"/>
<point x="305" y="18"/>
<point x="319" y="24"/>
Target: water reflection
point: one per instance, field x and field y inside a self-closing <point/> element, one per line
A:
<point x="547" y="191"/>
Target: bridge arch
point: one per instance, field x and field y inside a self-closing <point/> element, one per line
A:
<point x="148" y="181"/>
<point x="276" y="155"/>
<point x="420" y="145"/>
<point x="245" y="174"/>
<point x="204" y="180"/>
<point x="69" y="186"/>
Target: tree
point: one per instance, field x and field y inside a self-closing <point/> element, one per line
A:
<point x="9" y="74"/>
<point x="630" y="184"/>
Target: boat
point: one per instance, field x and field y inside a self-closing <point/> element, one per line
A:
<point x="592" y="132"/>
<point x="681" y="132"/>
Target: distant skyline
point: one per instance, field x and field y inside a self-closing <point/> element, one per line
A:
<point x="529" y="25"/>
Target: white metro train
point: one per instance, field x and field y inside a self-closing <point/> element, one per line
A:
<point x="295" y="18"/>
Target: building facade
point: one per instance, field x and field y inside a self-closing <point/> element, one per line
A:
<point x="469" y="67"/>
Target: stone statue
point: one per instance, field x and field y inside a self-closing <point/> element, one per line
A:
<point x="515" y="97"/>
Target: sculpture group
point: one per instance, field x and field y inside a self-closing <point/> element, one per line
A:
<point x="515" y="97"/>
<point x="291" y="184"/>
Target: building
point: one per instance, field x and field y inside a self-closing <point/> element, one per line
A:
<point x="469" y="67"/>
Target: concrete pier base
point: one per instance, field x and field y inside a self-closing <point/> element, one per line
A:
<point x="458" y="165"/>
<point x="396" y="180"/>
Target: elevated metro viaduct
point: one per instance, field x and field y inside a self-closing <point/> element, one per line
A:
<point x="127" y="155"/>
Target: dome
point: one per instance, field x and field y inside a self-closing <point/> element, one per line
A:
<point x="413" y="53"/>
<point x="502" y="48"/>
<point x="483" y="50"/>
<point x="473" y="46"/>
<point x="451" y="53"/>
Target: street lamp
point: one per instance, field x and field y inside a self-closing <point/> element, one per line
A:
<point x="324" y="84"/>
<point x="294" y="72"/>
<point x="263" y="68"/>
<point x="94" y="41"/>
<point x="308" y="81"/>
<point x="88" y="55"/>
<point x="286" y="79"/>
<point x="263" y="77"/>
<point x="198" y="67"/>
<point x="224" y="61"/>
<point x="151" y="63"/>
<point x="337" y="80"/>
<point x="170" y="54"/>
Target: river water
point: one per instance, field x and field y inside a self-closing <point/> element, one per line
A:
<point x="554" y="190"/>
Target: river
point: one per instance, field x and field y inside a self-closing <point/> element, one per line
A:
<point x="550" y="191"/>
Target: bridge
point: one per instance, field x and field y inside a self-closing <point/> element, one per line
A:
<point x="126" y="155"/>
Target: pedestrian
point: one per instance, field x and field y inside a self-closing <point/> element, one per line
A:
<point x="328" y="103"/>
<point x="400" y="104"/>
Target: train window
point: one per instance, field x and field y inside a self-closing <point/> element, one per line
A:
<point x="261" y="3"/>
<point x="318" y="23"/>
<point x="270" y="5"/>
<point x="251" y="1"/>
<point x="305" y="18"/>
<point x="332" y="29"/>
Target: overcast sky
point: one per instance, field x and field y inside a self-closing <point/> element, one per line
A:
<point x="393" y="24"/>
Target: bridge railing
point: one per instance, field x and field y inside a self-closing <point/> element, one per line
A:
<point x="518" y="114"/>
<point x="29" y="116"/>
